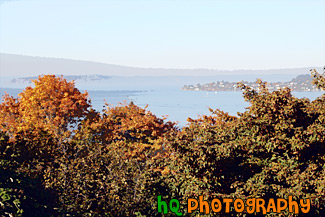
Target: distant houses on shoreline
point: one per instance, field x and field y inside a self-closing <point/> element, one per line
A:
<point x="302" y="83"/>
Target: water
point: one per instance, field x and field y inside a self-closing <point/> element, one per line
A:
<point x="163" y="94"/>
<point x="172" y="101"/>
<point x="179" y="105"/>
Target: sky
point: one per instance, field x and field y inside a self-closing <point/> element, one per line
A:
<point x="215" y="34"/>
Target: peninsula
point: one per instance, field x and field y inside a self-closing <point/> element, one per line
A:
<point x="301" y="83"/>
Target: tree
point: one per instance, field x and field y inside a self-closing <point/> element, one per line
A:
<point x="274" y="149"/>
<point x="53" y="106"/>
<point x="85" y="163"/>
<point x="37" y="126"/>
<point x="319" y="80"/>
<point x="112" y="161"/>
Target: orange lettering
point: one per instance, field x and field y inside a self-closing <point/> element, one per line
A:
<point x="227" y="201"/>
<point x="241" y="207"/>
<point x="203" y="204"/>
<point x="190" y="208"/>
<point x="213" y="207"/>
<point x="250" y="203"/>
<point x="279" y="207"/>
<point x="292" y="204"/>
<point x="260" y="205"/>
<point x="271" y="205"/>
<point x="305" y="207"/>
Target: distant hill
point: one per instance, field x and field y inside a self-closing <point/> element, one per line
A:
<point x="22" y="66"/>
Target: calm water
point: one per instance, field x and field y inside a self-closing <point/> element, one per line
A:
<point x="177" y="104"/>
<point x="163" y="94"/>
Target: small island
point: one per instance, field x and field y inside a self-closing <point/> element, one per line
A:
<point x="86" y="78"/>
<point x="301" y="83"/>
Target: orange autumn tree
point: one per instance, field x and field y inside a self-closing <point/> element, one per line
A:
<point x="130" y="125"/>
<point x="41" y="119"/>
<point x="53" y="106"/>
<point x="94" y="162"/>
<point x="112" y="162"/>
<point x="35" y="130"/>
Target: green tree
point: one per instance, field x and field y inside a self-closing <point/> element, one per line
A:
<point x="274" y="149"/>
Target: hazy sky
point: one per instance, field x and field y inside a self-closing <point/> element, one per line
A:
<point x="220" y="34"/>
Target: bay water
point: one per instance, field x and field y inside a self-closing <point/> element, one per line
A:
<point x="174" y="103"/>
<point x="163" y="95"/>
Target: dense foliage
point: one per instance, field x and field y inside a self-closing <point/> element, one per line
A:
<point x="59" y="157"/>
